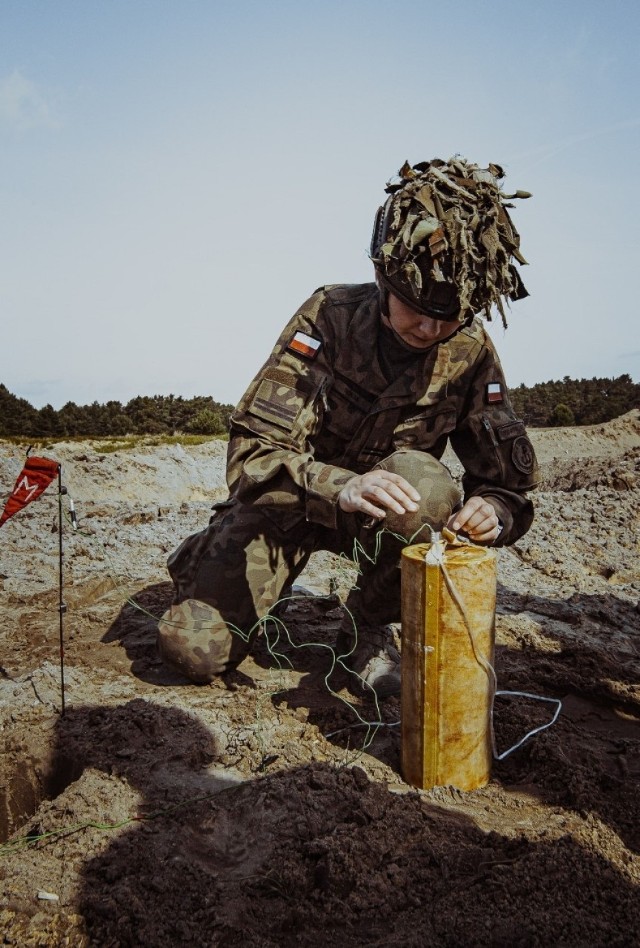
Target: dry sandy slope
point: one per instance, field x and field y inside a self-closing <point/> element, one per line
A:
<point x="267" y="821"/>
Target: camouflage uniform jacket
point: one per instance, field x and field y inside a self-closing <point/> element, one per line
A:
<point x="321" y="409"/>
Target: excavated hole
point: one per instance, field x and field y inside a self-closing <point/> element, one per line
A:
<point x="27" y="778"/>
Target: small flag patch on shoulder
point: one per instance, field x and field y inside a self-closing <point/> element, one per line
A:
<point x="494" y="392"/>
<point x="305" y="345"/>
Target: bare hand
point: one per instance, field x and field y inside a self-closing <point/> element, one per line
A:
<point x="376" y="492"/>
<point x="478" y="519"/>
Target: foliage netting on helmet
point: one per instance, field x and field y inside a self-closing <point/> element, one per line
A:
<point x="444" y="241"/>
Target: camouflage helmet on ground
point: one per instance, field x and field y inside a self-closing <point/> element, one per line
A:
<point x="444" y="242"/>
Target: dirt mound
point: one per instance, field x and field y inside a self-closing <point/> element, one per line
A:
<point x="618" y="473"/>
<point x="605" y="441"/>
<point x="264" y="810"/>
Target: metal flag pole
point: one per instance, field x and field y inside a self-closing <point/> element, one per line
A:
<point x="61" y="606"/>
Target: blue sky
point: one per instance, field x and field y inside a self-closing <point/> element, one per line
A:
<point x="177" y="176"/>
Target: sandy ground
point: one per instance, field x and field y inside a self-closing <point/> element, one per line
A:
<point x="256" y="811"/>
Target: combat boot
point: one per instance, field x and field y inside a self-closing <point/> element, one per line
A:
<point x="369" y="652"/>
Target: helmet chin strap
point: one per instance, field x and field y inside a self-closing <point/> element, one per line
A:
<point x="384" y="302"/>
<point x="386" y="320"/>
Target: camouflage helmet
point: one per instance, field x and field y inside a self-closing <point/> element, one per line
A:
<point x="444" y="243"/>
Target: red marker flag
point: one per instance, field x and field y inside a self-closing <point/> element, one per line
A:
<point x="34" y="478"/>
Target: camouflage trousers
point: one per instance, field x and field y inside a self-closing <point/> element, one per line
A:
<point x="230" y="575"/>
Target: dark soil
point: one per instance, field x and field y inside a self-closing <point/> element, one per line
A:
<point x="259" y="810"/>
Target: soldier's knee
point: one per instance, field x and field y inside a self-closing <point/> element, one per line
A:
<point x="439" y="494"/>
<point x="195" y="641"/>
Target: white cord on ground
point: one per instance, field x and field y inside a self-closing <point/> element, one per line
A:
<point x="536" y="730"/>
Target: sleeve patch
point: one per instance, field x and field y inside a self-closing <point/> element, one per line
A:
<point x="304" y="345"/>
<point x="522" y="455"/>
<point x="278" y="404"/>
<point x="281" y="376"/>
<point x="493" y="393"/>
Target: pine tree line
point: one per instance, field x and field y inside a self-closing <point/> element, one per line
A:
<point x="547" y="404"/>
<point x="572" y="402"/>
<point x="156" y="414"/>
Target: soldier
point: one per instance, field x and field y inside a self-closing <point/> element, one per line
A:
<point x="341" y="432"/>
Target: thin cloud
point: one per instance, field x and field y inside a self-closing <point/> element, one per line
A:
<point x="24" y="105"/>
<point x="545" y="152"/>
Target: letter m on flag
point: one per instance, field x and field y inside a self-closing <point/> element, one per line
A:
<point x="34" y="478"/>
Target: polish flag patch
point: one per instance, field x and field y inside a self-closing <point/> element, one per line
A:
<point x="494" y="393"/>
<point x="304" y="345"/>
